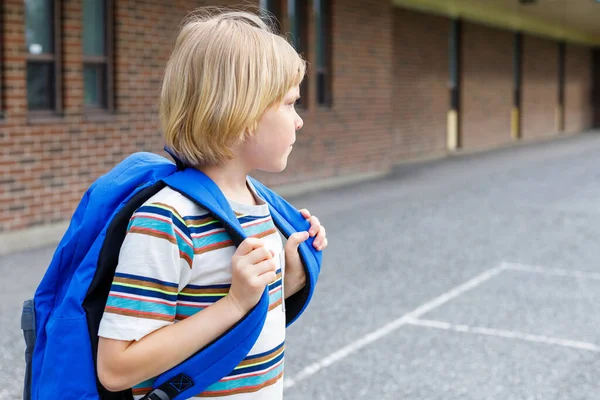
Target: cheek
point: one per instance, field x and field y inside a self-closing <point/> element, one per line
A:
<point x="288" y="123"/>
<point x="276" y="132"/>
<point x="279" y="130"/>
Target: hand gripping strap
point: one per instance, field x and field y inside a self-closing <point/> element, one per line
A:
<point x="289" y="220"/>
<point x="221" y="356"/>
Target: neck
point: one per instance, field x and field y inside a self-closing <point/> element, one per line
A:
<point x="230" y="177"/>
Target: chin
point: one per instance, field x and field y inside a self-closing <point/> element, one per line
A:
<point x="273" y="168"/>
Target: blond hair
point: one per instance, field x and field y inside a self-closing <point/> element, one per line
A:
<point x="226" y="69"/>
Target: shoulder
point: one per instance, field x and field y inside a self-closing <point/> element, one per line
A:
<point x="168" y="215"/>
<point x="173" y="205"/>
<point x="163" y="220"/>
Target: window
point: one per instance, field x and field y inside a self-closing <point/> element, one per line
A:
<point x="561" y="86"/>
<point x="298" y="20"/>
<point x="596" y="86"/>
<point x="454" y="140"/>
<point x="323" y="44"/>
<point x="272" y="9"/>
<point x="43" y="55"/>
<point x="517" y="68"/>
<point x="97" y="55"/>
<point x="517" y="85"/>
<point x="1" y="61"/>
<point x="455" y="67"/>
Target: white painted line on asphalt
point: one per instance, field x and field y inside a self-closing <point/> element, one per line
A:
<point x="345" y="352"/>
<point x="505" y="334"/>
<point x="457" y="291"/>
<point x="390" y="327"/>
<point x="551" y="271"/>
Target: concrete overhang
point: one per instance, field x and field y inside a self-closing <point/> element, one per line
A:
<point x="575" y="21"/>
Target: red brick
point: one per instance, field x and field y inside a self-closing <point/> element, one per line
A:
<point x="421" y="96"/>
<point x="487" y="86"/>
<point x="540" y="87"/>
<point x="578" y="89"/>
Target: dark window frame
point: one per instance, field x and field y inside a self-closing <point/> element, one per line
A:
<point x="299" y="26"/>
<point x="105" y="89"/>
<point x="1" y="60"/>
<point x="455" y="63"/>
<point x="562" y="54"/>
<point x="562" y="67"/>
<point x="272" y="9"/>
<point x="56" y="59"/>
<point x="517" y="68"/>
<point x="324" y="73"/>
<point x="595" y="95"/>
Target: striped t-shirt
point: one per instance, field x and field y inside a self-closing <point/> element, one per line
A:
<point x="174" y="262"/>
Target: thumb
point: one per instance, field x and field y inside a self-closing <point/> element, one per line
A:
<point x="295" y="239"/>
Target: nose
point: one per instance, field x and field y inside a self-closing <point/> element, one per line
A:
<point x="299" y="123"/>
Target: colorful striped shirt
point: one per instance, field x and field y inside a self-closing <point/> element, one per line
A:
<point x="174" y="262"/>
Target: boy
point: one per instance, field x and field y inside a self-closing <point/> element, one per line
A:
<point x="226" y="108"/>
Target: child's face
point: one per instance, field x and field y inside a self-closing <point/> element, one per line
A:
<point x="271" y="144"/>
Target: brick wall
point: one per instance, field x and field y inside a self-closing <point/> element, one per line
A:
<point x="354" y="135"/>
<point x="47" y="164"/>
<point x="578" y="85"/>
<point x="421" y="96"/>
<point x="540" y="87"/>
<point x="487" y="81"/>
<point x="390" y="99"/>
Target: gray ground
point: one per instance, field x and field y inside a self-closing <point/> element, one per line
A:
<point x="412" y="240"/>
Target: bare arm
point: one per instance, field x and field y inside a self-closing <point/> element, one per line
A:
<point x="293" y="282"/>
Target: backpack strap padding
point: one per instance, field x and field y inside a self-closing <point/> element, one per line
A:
<point x="289" y="220"/>
<point x="220" y="357"/>
<point x="225" y="353"/>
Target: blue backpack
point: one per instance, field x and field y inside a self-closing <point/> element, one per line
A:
<point x="61" y="322"/>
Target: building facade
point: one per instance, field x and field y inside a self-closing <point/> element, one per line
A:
<point x="388" y="82"/>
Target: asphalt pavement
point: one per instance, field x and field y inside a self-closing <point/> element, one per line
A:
<point x="471" y="277"/>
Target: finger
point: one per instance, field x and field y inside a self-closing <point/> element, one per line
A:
<point x="305" y="213"/>
<point x="266" y="278"/>
<point x="320" y="239"/>
<point x="315" y="225"/>
<point x="295" y="239"/>
<point x="248" y="245"/>
<point x="264" y="266"/>
<point x="259" y="254"/>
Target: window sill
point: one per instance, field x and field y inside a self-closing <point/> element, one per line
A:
<point x="97" y="115"/>
<point x="325" y="107"/>
<point x="42" y="118"/>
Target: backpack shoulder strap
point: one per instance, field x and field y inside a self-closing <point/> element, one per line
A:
<point x="225" y="353"/>
<point x="199" y="188"/>
<point x="289" y="220"/>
